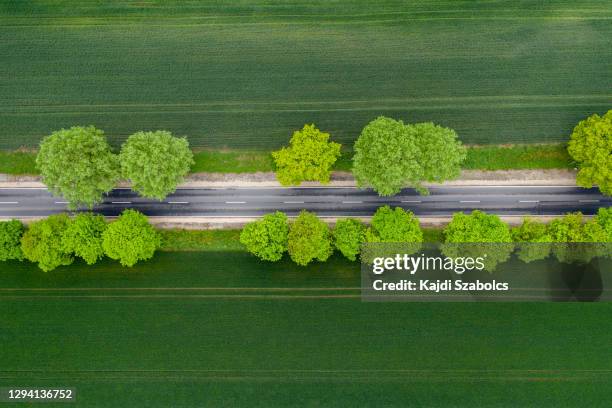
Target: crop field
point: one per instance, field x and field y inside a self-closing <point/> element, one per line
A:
<point x="222" y="329"/>
<point x="245" y="74"/>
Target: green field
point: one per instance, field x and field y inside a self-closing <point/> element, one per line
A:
<point x="245" y="74"/>
<point x="532" y="156"/>
<point x="222" y="329"/>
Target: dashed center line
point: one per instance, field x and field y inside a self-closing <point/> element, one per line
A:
<point x="9" y="202"/>
<point x="235" y="202"/>
<point x="352" y="202"/>
<point x="293" y="202"/>
<point x="178" y="202"/>
<point x="61" y="202"/>
<point x="469" y="201"/>
<point x="529" y="201"/>
<point x="588" y="201"/>
<point x="411" y="201"/>
<point x="121" y="202"/>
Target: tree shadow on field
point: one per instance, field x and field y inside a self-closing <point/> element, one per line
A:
<point x="580" y="281"/>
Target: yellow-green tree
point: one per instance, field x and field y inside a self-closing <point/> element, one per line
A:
<point x="309" y="157"/>
<point x="591" y="146"/>
<point x="309" y="239"/>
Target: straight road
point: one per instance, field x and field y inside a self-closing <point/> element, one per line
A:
<point x="325" y="201"/>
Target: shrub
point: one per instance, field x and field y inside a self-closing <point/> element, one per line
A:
<point x="78" y="164"/>
<point x="10" y="240"/>
<point x="309" y="157"/>
<point x="267" y="238"/>
<point x="155" y="162"/>
<point x="130" y="238"/>
<point x="309" y="239"/>
<point x="42" y="242"/>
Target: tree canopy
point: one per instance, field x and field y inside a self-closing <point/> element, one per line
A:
<point x="533" y="240"/>
<point x="267" y="238"/>
<point x="155" y="162"/>
<point x="309" y="157"/>
<point x="309" y="239"/>
<point x="42" y="242"/>
<point x="78" y="164"/>
<point x="394" y="225"/>
<point x="604" y="219"/>
<point x="10" y="240"/>
<point x="577" y="240"/>
<point x="83" y="237"/>
<point x="390" y="155"/>
<point x="130" y="238"/>
<point x="348" y="235"/>
<point x="591" y="147"/>
<point x="478" y="235"/>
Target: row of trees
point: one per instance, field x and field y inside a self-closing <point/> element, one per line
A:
<point x="308" y="238"/>
<point x="79" y="164"/>
<point x="391" y="155"/>
<point x="58" y="239"/>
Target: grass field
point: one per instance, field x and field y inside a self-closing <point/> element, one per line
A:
<point x="537" y="156"/>
<point x="222" y="329"/>
<point x="246" y="74"/>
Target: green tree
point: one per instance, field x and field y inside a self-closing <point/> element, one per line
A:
<point x="390" y="155"/>
<point x="591" y="147"/>
<point x="78" y="164"/>
<point x="130" y="238"/>
<point x="394" y="225"/>
<point x="42" y="242"/>
<point x="309" y="157"/>
<point x="604" y="219"/>
<point x="348" y="235"/>
<point x="309" y="239"/>
<point x="155" y="162"/>
<point x="267" y="238"/>
<point x="478" y="235"/>
<point x="576" y="240"/>
<point x="398" y="229"/>
<point x="533" y="240"/>
<point x="10" y="240"/>
<point x="83" y="237"/>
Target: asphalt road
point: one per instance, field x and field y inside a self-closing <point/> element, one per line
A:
<point x="325" y="201"/>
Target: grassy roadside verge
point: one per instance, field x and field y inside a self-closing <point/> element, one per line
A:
<point x="512" y="157"/>
<point x="182" y="240"/>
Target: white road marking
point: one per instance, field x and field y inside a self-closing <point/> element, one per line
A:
<point x="178" y="202"/>
<point x="588" y="201"/>
<point x="529" y="201"/>
<point x="293" y="202"/>
<point x="411" y="201"/>
<point x="61" y="202"/>
<point x="235" y="202"/>
<point x="352" y="202"/>
<point x="121" y="202"/>
<point x="9" y="202"/>
<point x="469" y="201"/>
